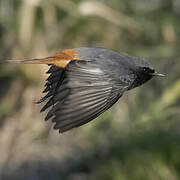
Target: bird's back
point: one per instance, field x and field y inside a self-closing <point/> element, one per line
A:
<point x="109" y="60"/>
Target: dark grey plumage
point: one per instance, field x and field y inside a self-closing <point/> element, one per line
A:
<point x="90" y="85"/>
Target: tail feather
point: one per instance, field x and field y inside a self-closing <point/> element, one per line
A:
<point x="52" y="60"/>
<point x="46" y="60"/>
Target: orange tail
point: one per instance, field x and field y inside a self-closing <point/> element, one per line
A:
<point x="60" y="59"/>
<point x="47" y="60"/>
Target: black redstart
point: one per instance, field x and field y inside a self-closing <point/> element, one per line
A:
<point x="84" y="82"/>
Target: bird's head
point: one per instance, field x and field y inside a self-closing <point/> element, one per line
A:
<point x="143" y="71"/>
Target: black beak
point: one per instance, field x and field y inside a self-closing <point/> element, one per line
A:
<point x="157" y="74"/>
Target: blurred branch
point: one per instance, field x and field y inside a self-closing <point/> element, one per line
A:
<point x="68" y="6"/>
<point x="94" y="8"/>
<point x="27" y="17"/>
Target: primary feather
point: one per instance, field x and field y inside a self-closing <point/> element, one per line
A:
<point x="86" y="91"/>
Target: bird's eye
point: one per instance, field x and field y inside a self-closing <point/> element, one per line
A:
<point x="145" y="69"/>
<point x="148" y="70"/>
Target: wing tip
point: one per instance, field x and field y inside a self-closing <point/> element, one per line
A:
<point x="62" y="129"/>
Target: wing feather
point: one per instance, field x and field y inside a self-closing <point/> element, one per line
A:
<point x="84" y="90"/>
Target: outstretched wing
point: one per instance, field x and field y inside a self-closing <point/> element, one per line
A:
<point x="79" y="94"/>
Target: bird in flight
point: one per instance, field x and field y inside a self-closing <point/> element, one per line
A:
<point x="84" y="82"/>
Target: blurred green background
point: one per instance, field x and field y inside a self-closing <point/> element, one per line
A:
<point x="138" y="139"/>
